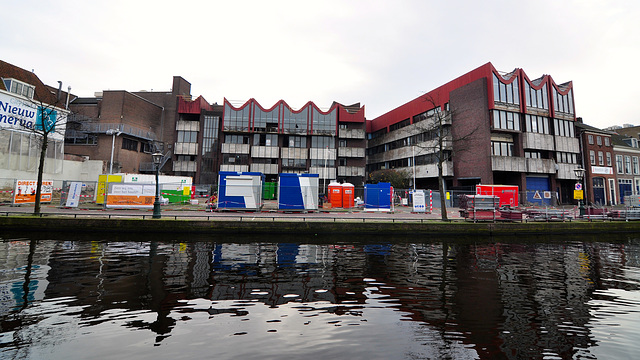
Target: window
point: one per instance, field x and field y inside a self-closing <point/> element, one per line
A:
<point x="619" y="164"/>
<point x="567" y="158"/>
<point x="129" y="144"/>
<point x="236" y="119"/>
<point x="536" y="98"/>
<point x="505" y="93"/>
<point x="564" y="128"/>
<point x="265" y="140"/>
<point x="501" y="148"/>
<point x="236" y="139"/>
<point x="295" y="142"/>
<point x="537" y="124"/>
<point x="320" y="142"/>
<point x="600" y="157"/>
<point x="608" y="158"/>
<point x="506" y="120"/>
<point x="342" y="161"/>
<point x="592" y="157"/>
<point x="324" y="123"/>
<point x="294" y="163"/>
<point x="342" y="143"/>
<point x="19" y="87"/>
<point x="599" y="140"/>
<point x="532" y="155"/>
<point x="627" y="164"/>
<point x="563" y="103"/>
<point x="590" y="139"/>
<point x="235" y="159"/>
<point x="187" y="136"/>
<point x="636" y="166"/>
<point x="81" y="139"/>
<point x="607" y="142"/>
<point x="399" y="125"/>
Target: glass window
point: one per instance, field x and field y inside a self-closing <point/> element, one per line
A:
<point x="590" y="139"/>
<point x="619" y="164"/>
<point x="187" y="136"/>
<point x="322" y="142"/>
<point x="506" y="120"/>
<point x="236" y="120"/>
<point x="600" y="158"/>
<point x="598" y="140"/>
<point x="502" y="148"/>
<point x="324" y="123"/>
<point x="606" y="142"/>
<point x="636" y="166"/>
<point x="608" y="158"/>
<point x="627" y="164"/>
<point x="592" y="157"/>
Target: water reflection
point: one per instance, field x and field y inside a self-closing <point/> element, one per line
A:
<point x="358" y="298"/>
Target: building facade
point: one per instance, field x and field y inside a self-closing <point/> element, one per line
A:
<point x="627" y="160"/>
<point x="283" y="140"/>
<point x="500" y="128"/>
<point x="598" y="157"/>
<point x="27" y="109"/>
<point x="124" y="128"/>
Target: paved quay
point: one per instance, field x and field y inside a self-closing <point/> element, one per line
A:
<point x="185" y="219"/>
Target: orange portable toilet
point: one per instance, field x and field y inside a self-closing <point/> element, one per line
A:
<point x="335" y="195"/>
<point x="347" y="195"/>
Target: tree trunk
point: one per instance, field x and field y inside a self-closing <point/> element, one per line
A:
<point x="443" y="203"/>
<point x="43" y="155"/>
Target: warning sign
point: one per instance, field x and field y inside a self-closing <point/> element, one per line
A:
<point x="577" y="194"/>
<point x="537" y="195"/>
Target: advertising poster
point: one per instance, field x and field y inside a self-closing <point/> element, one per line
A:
<point x="25" y="192"/>
<point x="131" y="196"/>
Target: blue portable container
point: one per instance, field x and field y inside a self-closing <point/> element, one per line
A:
<point x="298" y="192"/>
<point x="240" y="190"/>
<point x="377" y="196"/>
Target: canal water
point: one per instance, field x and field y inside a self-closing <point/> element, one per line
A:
<point x="293" y="297"/>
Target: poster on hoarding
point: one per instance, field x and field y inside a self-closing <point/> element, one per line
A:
<point x="131" y="196"/>
<point x="419" y="203"/>
<point x="25" y="192"/>
<point x="73" y="197"/>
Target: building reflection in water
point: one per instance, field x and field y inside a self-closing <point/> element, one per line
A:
<point x="517" y="300"/>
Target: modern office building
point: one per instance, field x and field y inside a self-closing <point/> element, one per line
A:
<point x="280" y="139"/>
<point x="499" y="128"/>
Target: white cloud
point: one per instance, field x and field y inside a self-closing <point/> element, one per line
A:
<point x="378" y="53"/>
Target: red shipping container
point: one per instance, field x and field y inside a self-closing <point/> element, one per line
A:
<point x="508" y="194"/>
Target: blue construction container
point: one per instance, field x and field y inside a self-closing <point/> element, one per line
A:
<point x="240" y="190"/>
<point x="377" y="197"/>
<point x="298" y="192"/>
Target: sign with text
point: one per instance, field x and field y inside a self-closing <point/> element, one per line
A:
<point x="577" y="194"/>
<point x="131" y="196"/>
<point x="73" y="197"/>
<point x="25" y="192"/>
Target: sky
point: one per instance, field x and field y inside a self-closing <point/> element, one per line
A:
<point x="378" y="53"/>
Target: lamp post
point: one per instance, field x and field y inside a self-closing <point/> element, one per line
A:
<point x="157" y="158"/>
<point x="113" y="133"/>
<point x="579" y="172"/>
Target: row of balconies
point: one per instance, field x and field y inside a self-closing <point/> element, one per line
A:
<point x="326" y="173"/>
<point x="550" y="142"/>
<point x="289" y="153"/>
<point x="533" y="166"/>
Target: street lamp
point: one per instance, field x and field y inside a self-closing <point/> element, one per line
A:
<point x="579" y="172"/>
<point x="157" y="158"/>
<point x="114" y="133"/>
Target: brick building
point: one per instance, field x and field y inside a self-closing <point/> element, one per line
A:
<point x="598" y="153"/>
<point x="500" y="128"/>
<point x="125" y="126"/>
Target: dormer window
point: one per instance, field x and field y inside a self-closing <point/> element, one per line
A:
<point x="19" y="88"/>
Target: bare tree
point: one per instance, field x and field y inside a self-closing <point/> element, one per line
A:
<point x="435" y="138"/>
<point x="51" y="119"/>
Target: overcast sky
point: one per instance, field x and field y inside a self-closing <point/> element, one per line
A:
<point x="379" y="53"/>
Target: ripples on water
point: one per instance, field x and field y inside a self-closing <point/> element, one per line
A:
<point x="320" y="298"/>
